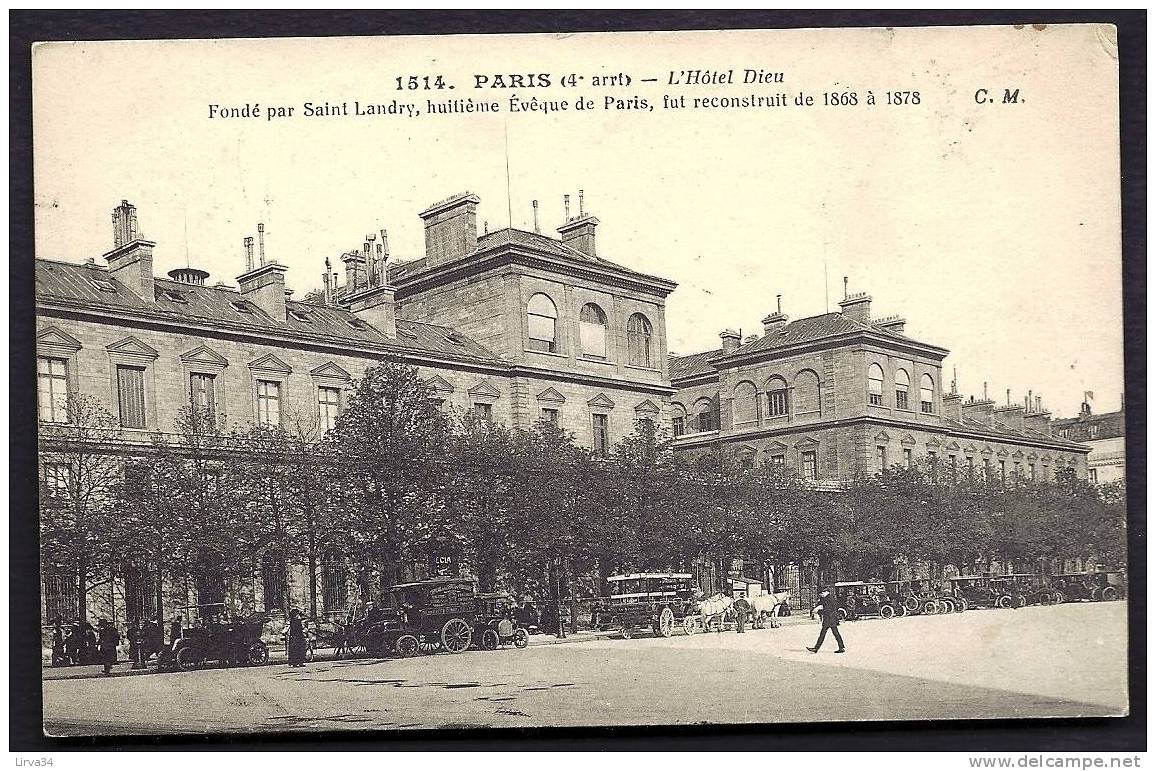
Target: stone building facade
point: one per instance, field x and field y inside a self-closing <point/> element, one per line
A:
<point x="844" y="394"/>
<point x="513" y="325"/>
<point x="1104" y="433"/>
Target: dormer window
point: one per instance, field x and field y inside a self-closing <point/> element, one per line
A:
<point x="240" y="306"/>
<point x="104" y="285"/>
<point x="407" y="333"/>
<point x="173" y="296"/>
<point x="300" y="315"/>
<point x="357" y="323"/>
<point x="455" y="338"/>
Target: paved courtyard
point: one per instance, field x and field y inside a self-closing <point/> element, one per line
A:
<point x="1067" y="660"/>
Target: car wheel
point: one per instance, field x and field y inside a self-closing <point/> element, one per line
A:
<point x="189" y="658"/>
<point x="490" y="640"/>
<point x="258" y="654"/>
<point x="886" y="611"/>
<point x="406" y="646"/>
<point x="842" y="614"/>
<point x="521" y="638"/>
<point x="1109" y="594"/>
<point x="1004" y="601"/>
<point x="930" y="607"/>
<point x="627" y="633"/>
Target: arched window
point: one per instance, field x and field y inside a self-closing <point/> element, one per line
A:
<point x="806" y="392"/>
<point x="875" y="385"/>
<point x="638" y="331"/>
<point x="902" y="385"/>
<point x="542" y="316"/>
<point x="777" y="404"/>
<point x="678" y="419"/>
<point x="592" y="331"/>
<point x="704" y="415"/>
<point x="927" y="395"/>
<point x="745" y="405"/>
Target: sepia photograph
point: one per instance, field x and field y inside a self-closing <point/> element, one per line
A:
<point x="566" y="381"/>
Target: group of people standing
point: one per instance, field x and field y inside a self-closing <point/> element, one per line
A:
<point x="83" y="643"/>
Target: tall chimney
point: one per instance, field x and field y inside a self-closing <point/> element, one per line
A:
<point x="355" y="277"/>
<point x="566" y="206"/>
<point x="730" y="340"/>
<point x="326" y="292"/>
<point x="451" y="229"/>
<point x="261" y="241"/>
<point x="857" y="306"/>
<point x="578" y="233"/>
<point x="131" y="260"/>
<point x="264" y="285"/>
<point x="776" y="320"/>
<point x="536" y="228"/>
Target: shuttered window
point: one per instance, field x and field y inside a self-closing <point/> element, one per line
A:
<point x="202" y="390"/>
<point x="131" y="393"/>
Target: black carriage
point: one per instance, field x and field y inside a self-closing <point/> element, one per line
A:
<point x="859" y="599"/>
<point x="428" y="616"/>
<point x="646" y="601"/>
<point x="208" y="635"/>
<point x="497" y="623"/>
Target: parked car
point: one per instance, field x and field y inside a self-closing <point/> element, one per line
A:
<point x="981" y="592"/>
<point x="498" y="624"/>
<point x="207" y="634"/>
<point x="858" y="599"/>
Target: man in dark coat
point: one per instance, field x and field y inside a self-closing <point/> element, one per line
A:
<point x="295" y="644"/>
<point x="109" y="639"/>
<point x="154" y="638"/>
<point x="135" y="642"/>
<point x="828" y="610"/>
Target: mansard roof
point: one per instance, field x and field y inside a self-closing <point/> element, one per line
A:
<point x="72" y="285"/>
<point x="682" y="367"/>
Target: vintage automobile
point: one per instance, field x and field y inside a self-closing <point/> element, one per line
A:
<point x="1019" y="586"/>
<point x="427" y="616"/>
<point x="1093" y="585"/>
<point x="497" y="624"/>
<point x="654" y="601"/>
<point x="858" y="599"/>
<point x="207" y="634"/>
<point x="981" y="592"/>
<point x="926" y="596"/>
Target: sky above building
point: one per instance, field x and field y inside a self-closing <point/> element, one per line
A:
<point x="994" y="229"/>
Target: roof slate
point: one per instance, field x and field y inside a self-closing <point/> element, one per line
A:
<point x="214" y="305"/>
<point x="815" y="328"/>
<point x="682" y="367"/>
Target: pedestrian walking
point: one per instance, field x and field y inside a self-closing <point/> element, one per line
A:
<point x="828" y="610"/>
<point x="295" y="644"/>
<point x="135" y="634"/>
<point x="108" y="640"/>
<point x="742" y="608"/>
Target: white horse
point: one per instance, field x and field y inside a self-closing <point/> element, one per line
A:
<point x="767" y="606"/>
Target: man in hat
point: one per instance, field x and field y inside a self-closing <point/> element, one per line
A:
<point x="109" y="639"/>
<point x="828" y="610"/>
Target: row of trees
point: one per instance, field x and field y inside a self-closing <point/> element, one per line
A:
<point x="528" y="508"/>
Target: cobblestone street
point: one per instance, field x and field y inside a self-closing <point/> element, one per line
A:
<point x="1064" y="660"/>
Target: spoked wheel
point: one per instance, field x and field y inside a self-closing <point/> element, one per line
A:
<point x="456" y="635"/>
<point x="189" y="659"/>
<point x="258" y="653"/>
<point x="689" y="625"/>
<point x="1021" y="601"/>
<point x="1045" y="598"/>
<point x="911" y="604"/>
<point x="901" y="610"/>
<point x="886" y="611"/>
<point x="406" y="646"/>
<point x="1060" y="598"/>
<point x="930" y="607"/>
<point x="1004" y="601"/>
<point x="627" y="633"/>
<point x="1110" y="593"/>
<point x="666" y="622"/>
<point x="490" y="640"/>
<point x="842" y="614"/>
<point x="521" y="638"/>
<point x="948" y="605"/>
<point x="960" y="604"/>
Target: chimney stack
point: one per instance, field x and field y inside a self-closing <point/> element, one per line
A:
<point x="536" y="228"/>
<point x="451" y="229"/>
<point x="857" y="306"/>
<point x="731" y="340"/>
<point x="952" y="406"/>
<point x="777" y="320"/>
<point x="578" y="233"/>
<point x="131" y="260"/>
<point x="249" y="254"/>
<point x="566" y="206"/>
<point x="355" y="271"/>
<point x="1011" y="415"/>
<point x="264" y="286"/>
<point x="891" y="324"/>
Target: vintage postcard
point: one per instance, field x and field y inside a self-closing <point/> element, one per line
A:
<point x="600" y="379"/>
